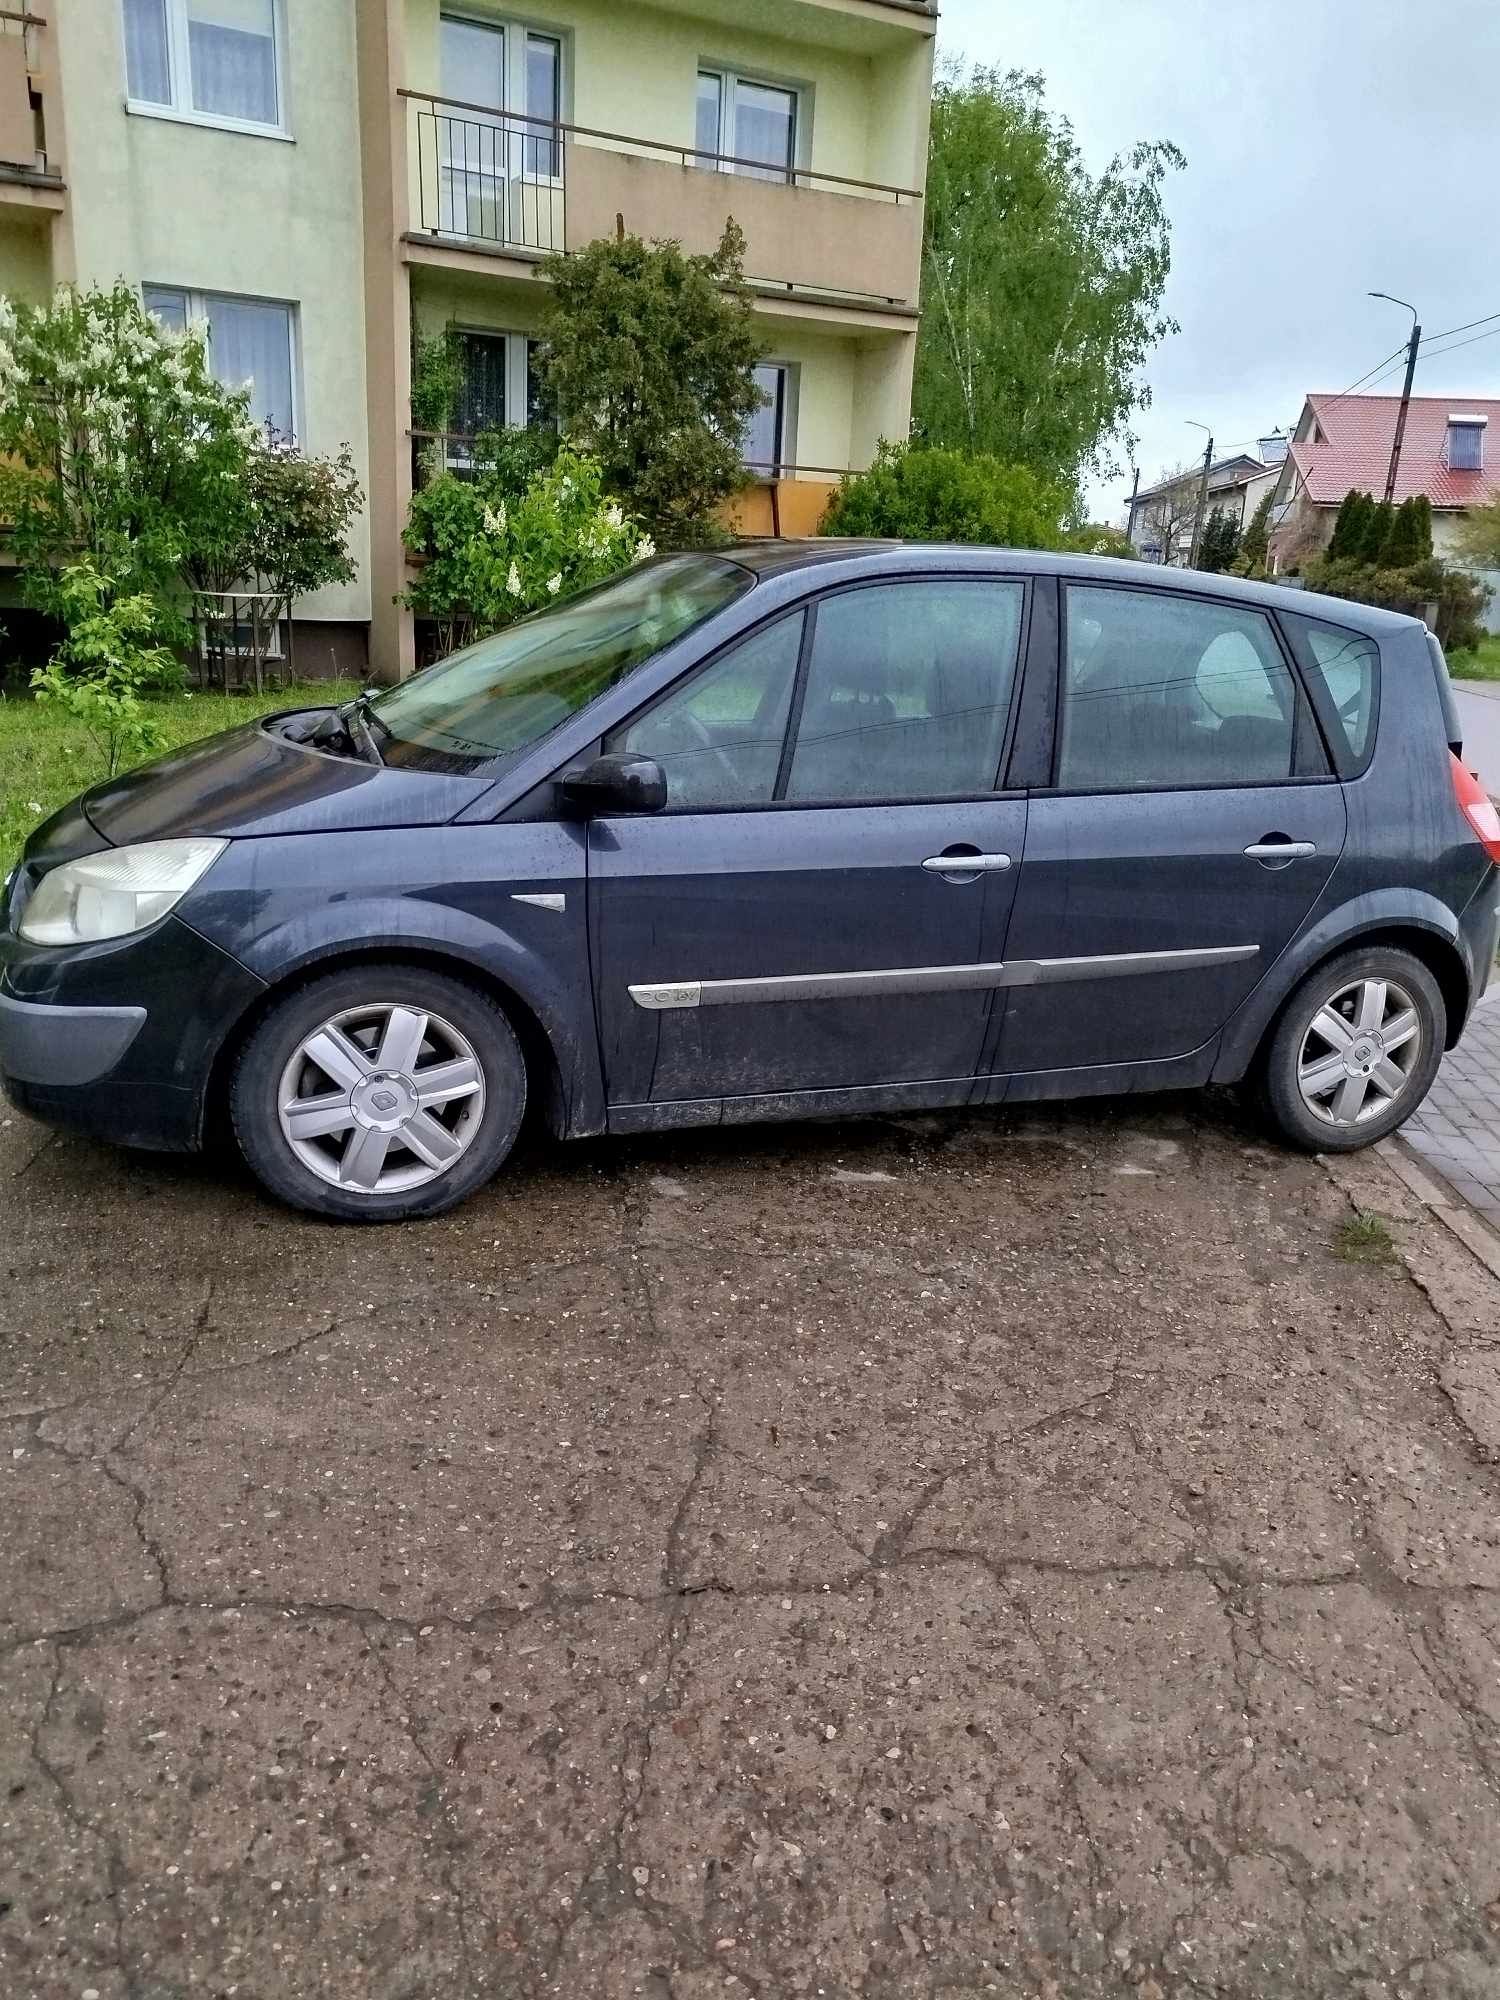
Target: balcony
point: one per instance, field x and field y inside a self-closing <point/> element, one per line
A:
<point x="502" y="184"/>
<point x="29" y="177"/>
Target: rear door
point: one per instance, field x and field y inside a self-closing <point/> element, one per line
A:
<point x="1191" y="825"/>
<point x="823" y="904"/>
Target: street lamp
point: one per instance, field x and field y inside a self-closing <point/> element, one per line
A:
<point x="1411" y="368"/>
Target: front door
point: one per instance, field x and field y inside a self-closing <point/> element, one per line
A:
<point x="1191" y="829"/>
<point x="823" y="904"/>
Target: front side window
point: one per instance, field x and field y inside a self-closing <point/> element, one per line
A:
<point x="214" y="59"/>
<point x="486" y="704"/>
<point x="908" y="691"/>
<point x="1163" y="691"/>
<point x="1347" y="664"/>
<point x="251" y="342"/>
<point x="746" y="127"/>
<point x="718" y="737"/>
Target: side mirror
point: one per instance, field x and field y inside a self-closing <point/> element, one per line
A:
<point x="619" y="782"/>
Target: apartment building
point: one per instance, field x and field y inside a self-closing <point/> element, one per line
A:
<point x="318" y="178"/>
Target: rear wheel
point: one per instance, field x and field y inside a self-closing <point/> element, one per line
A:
<point x="1355" y="1050"/>
<point x="379" y="1092"/>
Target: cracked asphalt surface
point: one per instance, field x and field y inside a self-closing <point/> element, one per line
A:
<point x="952" y="1556"/>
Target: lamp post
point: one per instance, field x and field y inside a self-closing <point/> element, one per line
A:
<point x="1411" y="368"/>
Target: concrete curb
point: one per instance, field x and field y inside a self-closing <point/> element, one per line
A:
<point x="1442" y="1201"/>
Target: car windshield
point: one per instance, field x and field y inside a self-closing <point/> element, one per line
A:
<point x="487" y="703"/>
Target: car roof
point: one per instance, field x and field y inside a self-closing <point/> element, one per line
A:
<point x="853" y="558"/>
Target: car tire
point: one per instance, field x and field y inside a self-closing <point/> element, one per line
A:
<point x="379" y="1093"/>
<point x="1328" y="1074"/>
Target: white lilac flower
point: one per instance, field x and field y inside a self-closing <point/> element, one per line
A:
<point x="513" y="580"/>
<point x="614" y="515"/>
<point x="644" y="547"/>
<point x="554" y="584"/>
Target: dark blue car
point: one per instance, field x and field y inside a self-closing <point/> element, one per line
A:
<point x="802" y="830"/>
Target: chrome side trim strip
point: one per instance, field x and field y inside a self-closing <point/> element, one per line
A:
<point x="1122" y="964"/>
<point x="928" y="978"/>
<point x="548" y="902"/>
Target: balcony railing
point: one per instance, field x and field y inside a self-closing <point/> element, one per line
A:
<point x="509" y="182"/>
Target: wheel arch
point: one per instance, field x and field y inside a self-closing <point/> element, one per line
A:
<point x="547" y="1084"/>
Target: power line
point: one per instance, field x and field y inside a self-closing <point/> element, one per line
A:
<point x="1466" y="343"/>
<point x="1461" y="329"/>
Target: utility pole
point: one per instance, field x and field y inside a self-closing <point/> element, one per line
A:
<point x="1208" y="459"/>
<point x="1135" y="487"/>
<point x="1411" y="368"/>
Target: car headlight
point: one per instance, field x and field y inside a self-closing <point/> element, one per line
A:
<point x="111" y="894"/>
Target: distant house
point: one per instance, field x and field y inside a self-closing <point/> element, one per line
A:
<point x="1159" y="518"/>
<point x="1345" y="441"/>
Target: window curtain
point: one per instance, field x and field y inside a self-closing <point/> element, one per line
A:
<point x="147" y="72"/>
<point x="252" y="343"/>
<point x="765" y="129"/>
<point x="232" y="44"/>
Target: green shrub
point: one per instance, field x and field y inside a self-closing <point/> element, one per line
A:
<point x="488" y="556"/>
<point x="1459" y="596"/>
<point x="926" y="494"/>
<point x="113" y="654"/>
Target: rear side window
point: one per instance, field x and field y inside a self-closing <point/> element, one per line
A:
<point x="1168" y="691"/>
<point x="1347" y="664"/>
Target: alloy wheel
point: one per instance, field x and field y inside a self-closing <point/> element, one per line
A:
<point x="1359" y="1052"/>
<point x="381" y="1098"/>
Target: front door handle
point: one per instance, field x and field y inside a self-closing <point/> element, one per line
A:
<point x="964" y="865"/>
<point x="1276" y="851"/>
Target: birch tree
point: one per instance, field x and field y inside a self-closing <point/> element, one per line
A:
<point x="1042" y="283"/>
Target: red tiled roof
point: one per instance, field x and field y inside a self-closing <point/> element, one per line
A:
<point x="1359" y="429"/>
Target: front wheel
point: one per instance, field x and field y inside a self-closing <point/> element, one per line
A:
<point x="1355" y="1050"/>
<point x="379" y="1092"/>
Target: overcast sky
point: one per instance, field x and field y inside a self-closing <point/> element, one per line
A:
<point x="1333" y="146"/>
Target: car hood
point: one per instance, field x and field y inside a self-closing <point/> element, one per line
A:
<point x="252" y="781"/>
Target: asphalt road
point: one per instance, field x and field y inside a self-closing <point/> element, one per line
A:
<point x="950" y="1556"/>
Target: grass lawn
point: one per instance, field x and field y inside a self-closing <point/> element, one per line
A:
<point x="46" y="758"/>
<point x="1481" y="666"/>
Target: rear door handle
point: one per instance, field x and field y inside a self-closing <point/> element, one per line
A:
<point x="967" y="864"/>
<point x="1281" y="850"/>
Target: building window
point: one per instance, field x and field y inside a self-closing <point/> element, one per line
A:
<point x="251" y="343"/>
<point x="486" y="158"/>
<point x="218" y="60"/>
<point x="745" y="127"/>
<point x="1465" y="444"/>
<point x="767" y="446"/>
<point x="501" y="388"/>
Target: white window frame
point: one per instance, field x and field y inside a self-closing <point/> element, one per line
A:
<point x="198" y="303"/>
<point x="730" y="80"/>
<point x="180" y="110"/>
<point x="458" y="457"/>
<point x="516" y="33"/>
<point x="786" y="457"/>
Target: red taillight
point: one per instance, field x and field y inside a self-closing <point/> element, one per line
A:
<point x="1477" y="807"/>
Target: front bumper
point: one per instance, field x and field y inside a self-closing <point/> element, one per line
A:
<point x="64" y="1046"/>
<point x="119" y="1040"/>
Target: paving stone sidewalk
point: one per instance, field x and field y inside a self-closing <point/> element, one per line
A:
<point x="1457" y="1130"/>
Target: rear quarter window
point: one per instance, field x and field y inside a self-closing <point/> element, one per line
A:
<point x="1347" y="664"/>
